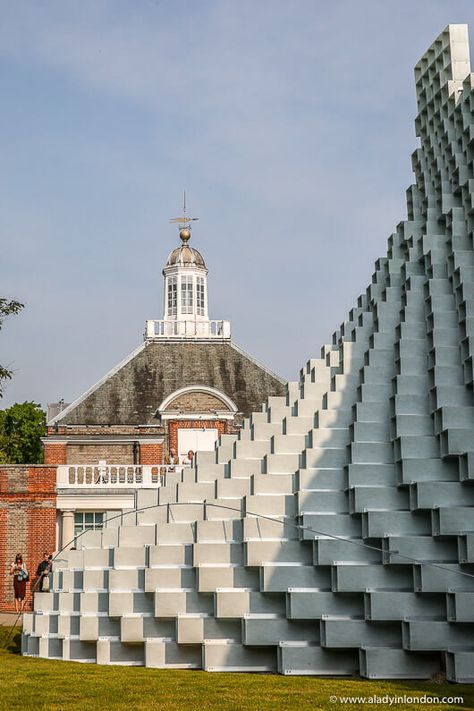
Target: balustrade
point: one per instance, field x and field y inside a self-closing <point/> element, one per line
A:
<point x="99" y="476"/>
<point x="187" y="329"/>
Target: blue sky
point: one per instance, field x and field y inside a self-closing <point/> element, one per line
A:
<point x="290" y="124"/>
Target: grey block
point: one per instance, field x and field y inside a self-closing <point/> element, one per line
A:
<point x="459" y="607"/>
<point x="403" y="605"/>
<point x="432" y="636"/>
<point x="376" y="663"/>
<point x="219" y="655"/>
<point x="460" y="667"/>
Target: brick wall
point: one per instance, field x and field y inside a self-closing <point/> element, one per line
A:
<point x="54" y="453"/>
<point x="107" y="430"/>
<point x="114" y="453"/>
<point x="27" y="522"/>
<point x="151" y="453"/>
<point x="196" y="402"/>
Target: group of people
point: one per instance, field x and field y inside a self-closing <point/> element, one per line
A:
<point x="21" y="577"/>
<point x="172" y="459"/>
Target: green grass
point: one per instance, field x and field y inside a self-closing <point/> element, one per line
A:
<point x="45" y="684"/>
<point x="10" y="639"/>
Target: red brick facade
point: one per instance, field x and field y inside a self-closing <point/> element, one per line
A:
<point x="55" y="453"/>
<point x="27" y="522"/>
<point x="151" y="453"/>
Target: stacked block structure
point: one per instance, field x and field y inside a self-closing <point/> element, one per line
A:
<point x="334" y="534"/>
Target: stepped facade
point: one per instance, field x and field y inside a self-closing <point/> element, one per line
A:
<point x="334" y="534"/>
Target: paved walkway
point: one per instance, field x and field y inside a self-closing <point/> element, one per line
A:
<point x="8" y="618"/>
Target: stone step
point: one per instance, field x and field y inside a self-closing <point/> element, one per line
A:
<point x="272" y="484"/>
<point x="323" y="457"/>
<point x="287" y="444"/>
<point x="281" y="463"/>
<point x="297" y="425"/>
<point x="319" y="478"/>
<point x="329" y="437"/>
<point x="322" y="501"/>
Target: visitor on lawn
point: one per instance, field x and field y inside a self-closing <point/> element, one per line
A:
<point x="20" y="578"/>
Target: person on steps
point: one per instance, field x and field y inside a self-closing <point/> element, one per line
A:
<point x="172" y="460"/>
<point x="188" y="461"/>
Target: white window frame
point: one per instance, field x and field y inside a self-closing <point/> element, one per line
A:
<point x="93" y="524"/>
<point x="172" y="295"/>
<point x="187" y="300"/>
<point x="200" y="296"/>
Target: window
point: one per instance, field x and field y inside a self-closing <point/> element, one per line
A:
<point x="88" y="521"/>
<point x="172" y="296"/>
<point x="186" y="294"/>
<point x="200" y="296"/>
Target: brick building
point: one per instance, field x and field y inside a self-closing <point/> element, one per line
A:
<point x="182" y="388"/>
<point x="27" y="521"/>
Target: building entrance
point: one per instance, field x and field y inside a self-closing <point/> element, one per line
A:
<point x="195" y="439"/>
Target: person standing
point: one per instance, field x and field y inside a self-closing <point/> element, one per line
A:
<point x="20" y="578"/>
<point x="188" y="461"/>
<point x="172" y="460"/>
<point x="42" y="571"/>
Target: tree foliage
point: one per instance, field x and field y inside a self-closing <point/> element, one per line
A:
<point x="7" y="308"/>
<point x="21" y="427"/>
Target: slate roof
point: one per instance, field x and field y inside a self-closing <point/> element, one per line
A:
<point x="132" y="392"/>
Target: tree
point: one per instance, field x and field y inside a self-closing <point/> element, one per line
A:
<point x="21" y="427"/>
<point x="7" y="308"/>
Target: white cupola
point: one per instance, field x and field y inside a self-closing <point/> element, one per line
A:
<point x="185" y="274"/>
<point x="185" y="312"/>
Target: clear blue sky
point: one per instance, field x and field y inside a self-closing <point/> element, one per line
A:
<point x="290" y="124"/>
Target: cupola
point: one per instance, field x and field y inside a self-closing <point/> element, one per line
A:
<point x="185" y="308"/>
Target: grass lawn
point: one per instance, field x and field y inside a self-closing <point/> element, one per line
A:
<point x="45" y="684"/>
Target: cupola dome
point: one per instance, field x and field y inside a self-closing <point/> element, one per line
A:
<point x="184" y="255"/>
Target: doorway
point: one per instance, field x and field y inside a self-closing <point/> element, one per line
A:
<point x="195" y="439"/>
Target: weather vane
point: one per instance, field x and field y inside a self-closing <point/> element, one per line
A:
<point x="184" y="220"/>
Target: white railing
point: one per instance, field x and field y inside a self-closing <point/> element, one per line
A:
<point x="188" y="329"/>
<point x="113" y="476"/>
